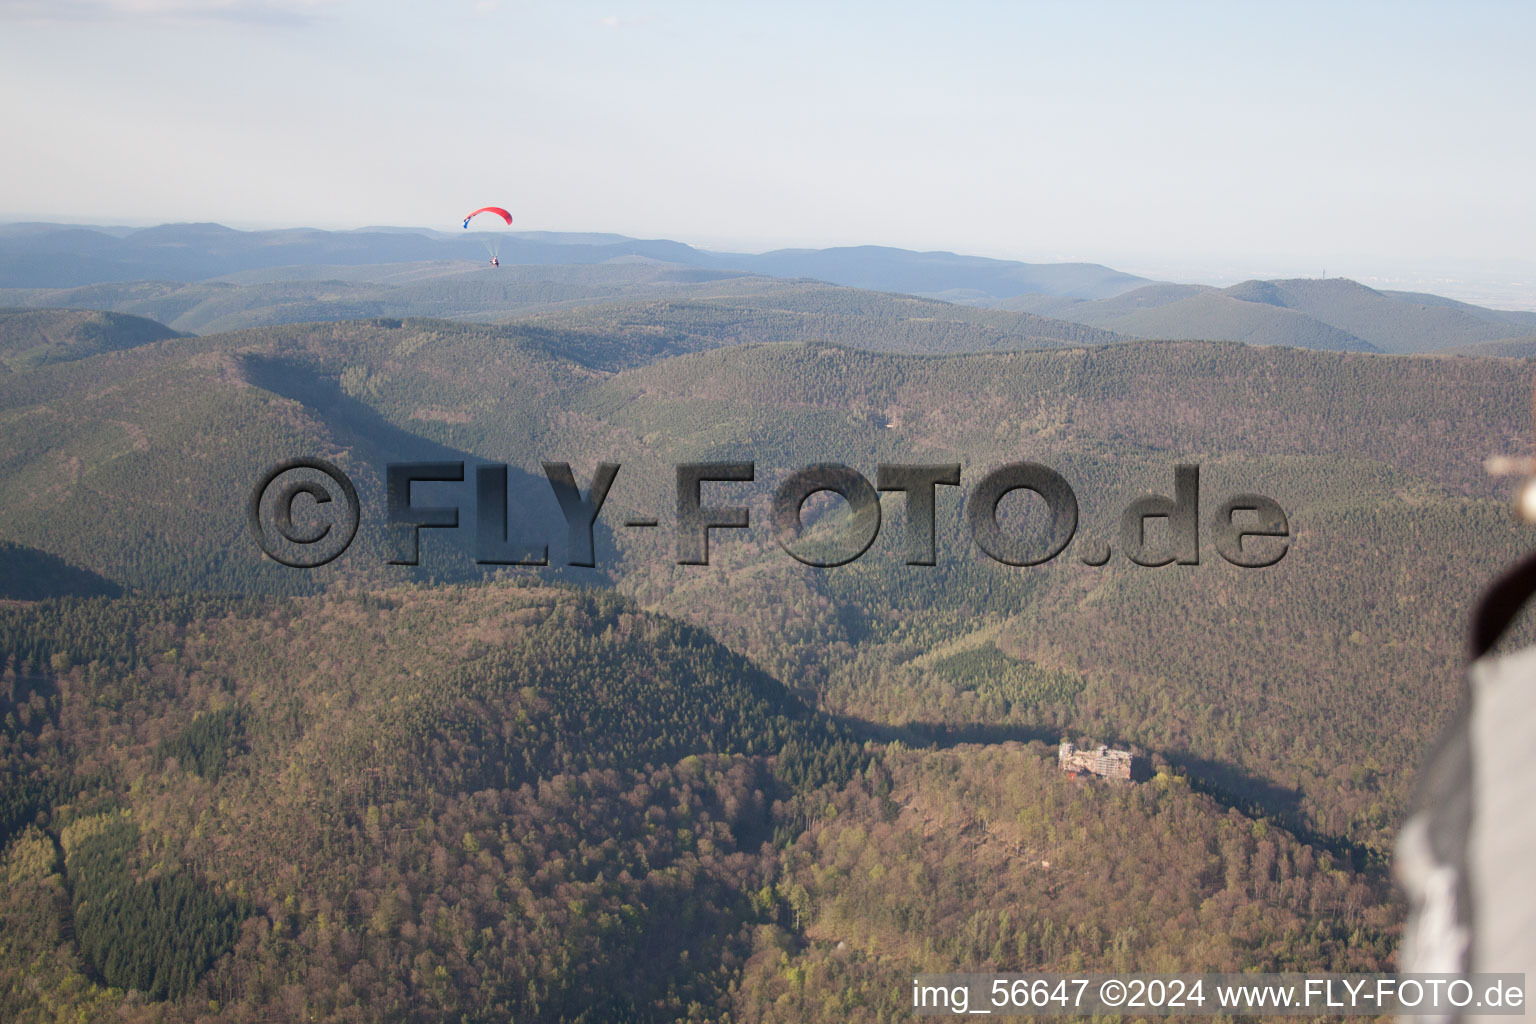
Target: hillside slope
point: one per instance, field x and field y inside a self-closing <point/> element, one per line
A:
<point x="30" y="338"/>
<point x="1332" y="313"/>
<point x="537" y="803"/>
<point x="511" y="801"/>
<point x="1219" y="316"/>
<point x="1376" y="462"/>
<point x="1392" y="321"/>
<point x="618" y="335"/>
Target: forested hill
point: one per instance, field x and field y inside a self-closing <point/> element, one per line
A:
<point x="508" y="801"/>
<point x="520" y="802"/>
<point x="30" y="338"/>
<point x="622" y="334"/>
<point x="93" y="444"/>
<point x="1376" y="461"/>
<point x="647" y="311"/>
<point x="1327" y="313"/>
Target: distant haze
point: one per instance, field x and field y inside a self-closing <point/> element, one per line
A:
<point x="1387" y="143"/>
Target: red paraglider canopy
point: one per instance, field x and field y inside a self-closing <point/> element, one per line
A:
<point x="498" y="211"/>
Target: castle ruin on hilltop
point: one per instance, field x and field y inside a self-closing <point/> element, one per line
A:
<point x="1101" y="760"/>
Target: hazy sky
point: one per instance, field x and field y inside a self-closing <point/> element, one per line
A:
<point x="1286" y="137"/>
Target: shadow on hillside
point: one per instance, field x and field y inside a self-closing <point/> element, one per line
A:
<point x="1247" y="792"/>
<point x="27" y="574"/>
<point x="445" y="554"/>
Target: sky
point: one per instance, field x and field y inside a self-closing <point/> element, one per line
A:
<point x="1387" y="142"/>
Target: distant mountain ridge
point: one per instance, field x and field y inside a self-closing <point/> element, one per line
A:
<point x="208" y="277"/>
<point x="1323" y="313"/>
<point x="66" y="256"/>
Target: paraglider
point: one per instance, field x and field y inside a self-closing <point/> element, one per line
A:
<point x="498" y="211"/>
<point x="491" y="238"/>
